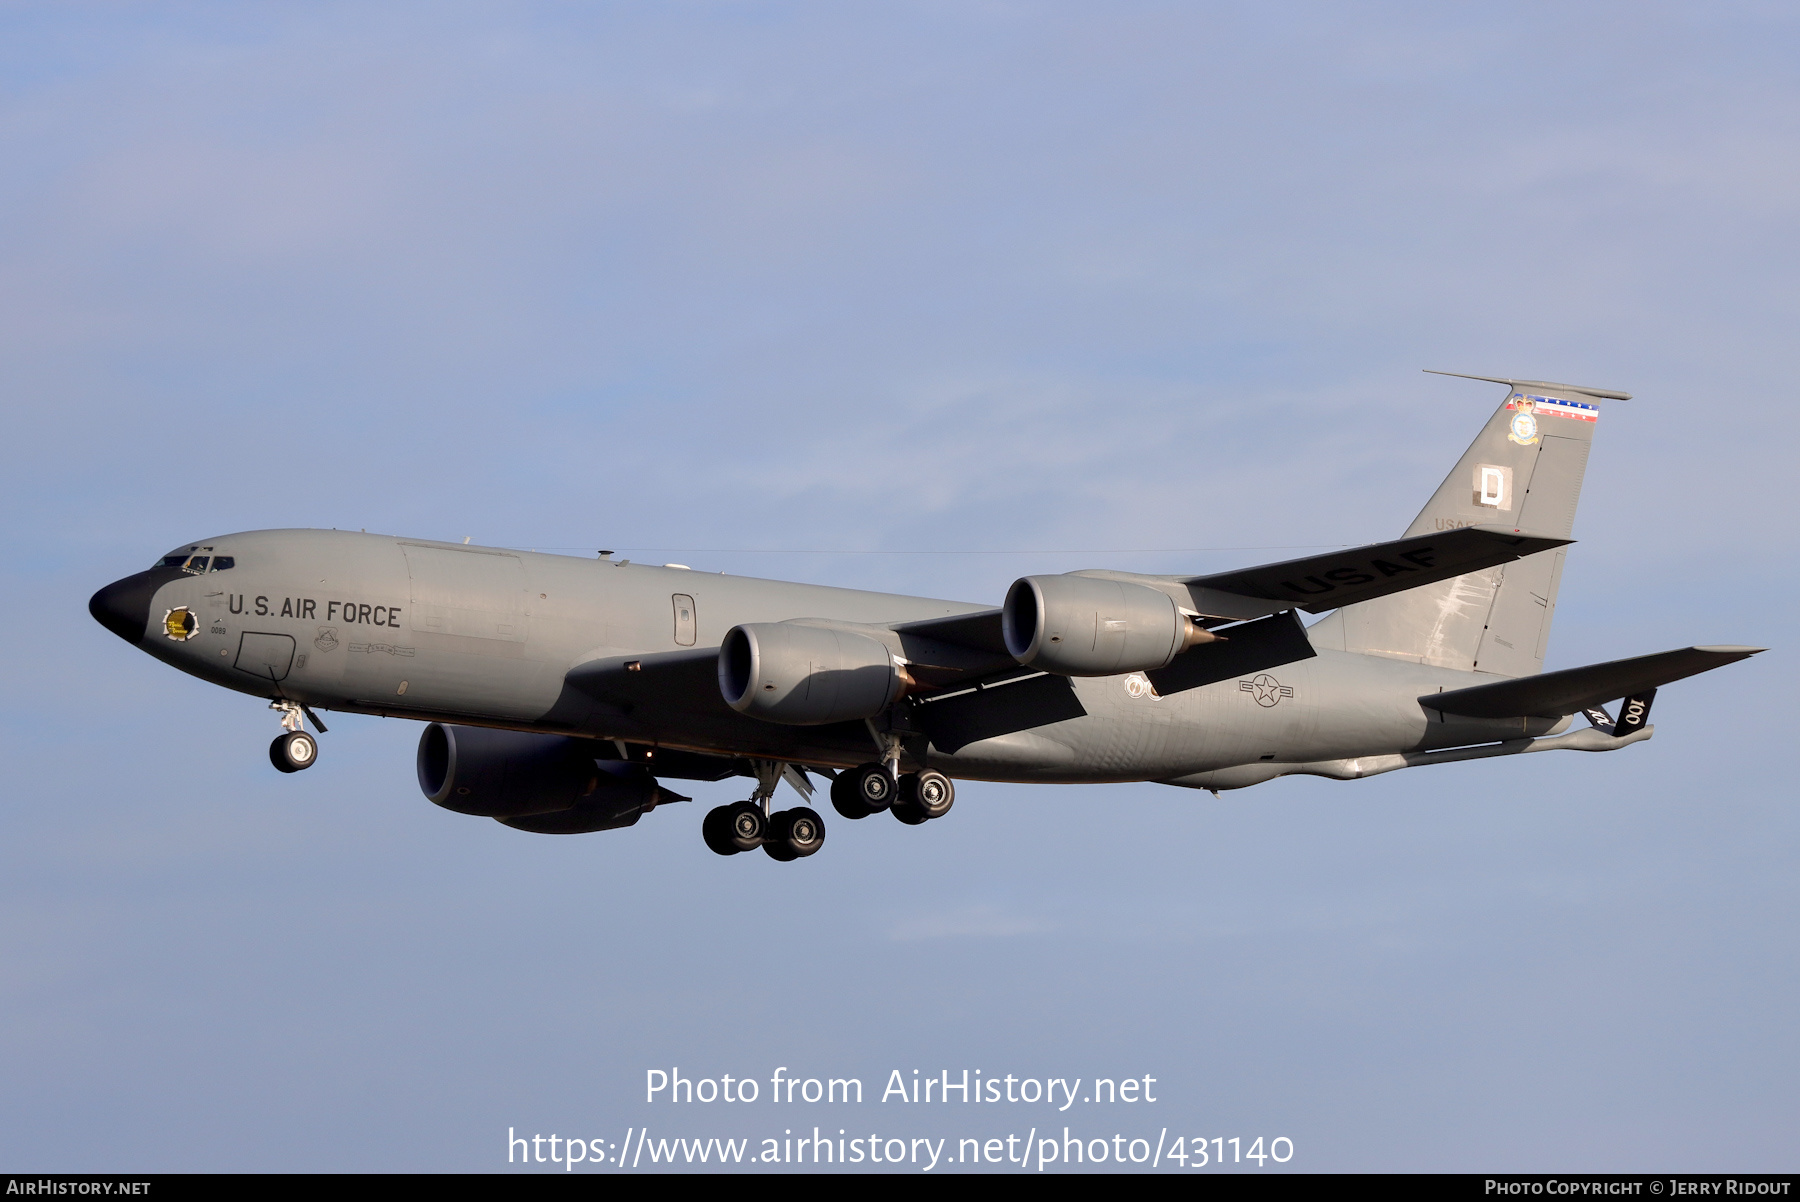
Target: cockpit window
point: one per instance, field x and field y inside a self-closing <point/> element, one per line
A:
<point x="197" y="564"/>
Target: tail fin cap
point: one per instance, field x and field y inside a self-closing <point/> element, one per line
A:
<point x="1604" y="394"/>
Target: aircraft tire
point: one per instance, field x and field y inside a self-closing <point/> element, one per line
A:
<point x="804" y="830"/>
<point x="716" y="830"/>
<point x="872" y="786"/>
<point x="776" y="841"/>
<point x="844" y="799"/>
<point x="910" y="812"/>
<point x="293" y="751"/>
<point x="794" y="834"/>
<point x="746" y="827"/>
<point x="931" y="792"/>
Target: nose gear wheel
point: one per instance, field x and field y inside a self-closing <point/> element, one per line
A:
<point x="293" y="751"/>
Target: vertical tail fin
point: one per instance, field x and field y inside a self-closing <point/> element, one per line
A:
<point x="1523" y="470"/>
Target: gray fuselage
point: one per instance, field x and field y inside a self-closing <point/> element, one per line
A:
<point x="403" y="628"/>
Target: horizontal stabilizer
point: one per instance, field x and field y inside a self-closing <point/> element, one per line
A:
<point x="1321" y="582"/>
<point x="1553" y="694"/>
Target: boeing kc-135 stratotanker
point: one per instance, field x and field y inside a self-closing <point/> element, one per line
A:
<point x="559" y="690"/>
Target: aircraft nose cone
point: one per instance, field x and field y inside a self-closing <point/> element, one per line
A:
<point x="123" y="606"/>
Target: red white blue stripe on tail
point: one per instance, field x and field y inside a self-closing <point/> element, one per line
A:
<point x="1555" y="406"/>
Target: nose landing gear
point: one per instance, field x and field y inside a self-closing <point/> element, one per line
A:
<point x="294" y="750"/>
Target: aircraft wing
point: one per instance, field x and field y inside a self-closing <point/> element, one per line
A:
<point x="1315" y="584"/>
<point x="946" y="651"/>
<point x="1553" y="694"/>
<point x="978" y="631"/>
<point x="656" y="688"/>
<point x="1323" y="582"/>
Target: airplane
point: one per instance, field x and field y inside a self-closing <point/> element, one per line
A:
<point x="559" y="691"/>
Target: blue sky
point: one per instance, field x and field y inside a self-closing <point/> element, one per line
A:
<point x="870" y="295"/>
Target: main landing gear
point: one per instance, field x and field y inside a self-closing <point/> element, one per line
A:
<point x="294" y="750"/>
<point x="913" y="797"/>
<point x="785" y="835"/>
<point x="916" y="798"/>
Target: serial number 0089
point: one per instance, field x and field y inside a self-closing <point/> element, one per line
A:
<point x="1198" y="1152"/>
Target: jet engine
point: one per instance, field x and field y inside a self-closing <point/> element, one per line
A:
<point x="1088" y="626"/>
<point x="550" y="784"/>
<point x="802" y="675"/>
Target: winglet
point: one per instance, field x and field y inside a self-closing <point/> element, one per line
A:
<point x="1603" y="393"/>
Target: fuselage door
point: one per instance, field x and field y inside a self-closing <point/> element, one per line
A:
<point x="269" y="656"/>
<point x="686" y="623"/>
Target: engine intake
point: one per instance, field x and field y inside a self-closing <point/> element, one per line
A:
<point x="1089" y="626"/>
<point x="801" y="675"/>
<point x="551" y="784"/>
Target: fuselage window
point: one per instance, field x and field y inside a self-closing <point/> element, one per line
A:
<point x="222" y="562"/>
<point x="198" y="564"/>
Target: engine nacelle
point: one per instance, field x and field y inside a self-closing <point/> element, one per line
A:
<point x="802" y="675"/>
<point x="546" y="783"/>
<point x="1089" y="626"/>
